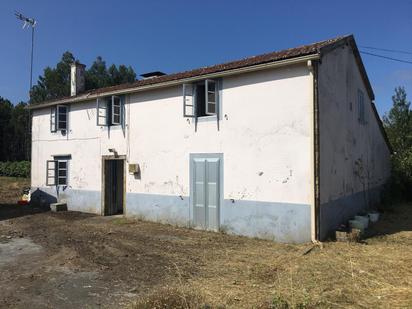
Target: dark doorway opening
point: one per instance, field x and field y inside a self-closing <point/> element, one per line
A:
<point x="113" y="187"/>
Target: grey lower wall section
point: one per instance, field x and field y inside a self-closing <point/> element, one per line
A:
<point x="159" y="208"/>
<point x="339" y="211"/>
<point x="282" y="222"/>
<point x="77" y="200"/>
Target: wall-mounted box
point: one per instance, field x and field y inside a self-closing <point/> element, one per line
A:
<point x="134" y="168"/>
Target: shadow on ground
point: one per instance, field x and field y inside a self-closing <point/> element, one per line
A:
<point x="10" y="211"/>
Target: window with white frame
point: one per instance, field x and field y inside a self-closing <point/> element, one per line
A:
<point x="57" y="171"/>
<point x="361" y="107"/>
<point x="59" y="118"/>
<point x="201" y="99"/>
<point x="110" y="111"/>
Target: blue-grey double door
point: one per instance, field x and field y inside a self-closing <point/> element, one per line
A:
<point x="206" y="180"/>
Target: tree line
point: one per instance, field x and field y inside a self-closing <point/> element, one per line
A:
<point x="15" y="139"/>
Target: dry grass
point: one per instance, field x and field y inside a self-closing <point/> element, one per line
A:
<point x="171" y="297"/>
<point x="376" y="273"/>
<point x="11" y="189"/>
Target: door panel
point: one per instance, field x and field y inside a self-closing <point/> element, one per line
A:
<point x="113" y="187"/>
<point x="206" y="192"/>
<point x="199" y="199"/>
<point x="212" y="190"/>
<point x="119" y="186"/>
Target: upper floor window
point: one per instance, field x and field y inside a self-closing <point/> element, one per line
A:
<point x="361" y="107"/>
<point x="110" y="111"/>
<point x="201" y="99"/>
<point x="58" y="118"/>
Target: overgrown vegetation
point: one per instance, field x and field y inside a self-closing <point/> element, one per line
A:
<point x="15" y="169"/>
<point x="398" y="126"/>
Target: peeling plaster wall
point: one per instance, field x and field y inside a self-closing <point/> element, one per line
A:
<point x="344" y="190"/>
<point x="86" y="143"/>
<point x="265" y="137"/>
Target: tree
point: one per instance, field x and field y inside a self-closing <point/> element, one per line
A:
<point x="97" y="76"/>
<point x="55" y="82"/>
<point x="6" y="129"/>
<point x="398" y="126"/>
<point x="14" y="131"/>
<point x="21" y="133"/>
<point x="398" y="123"/>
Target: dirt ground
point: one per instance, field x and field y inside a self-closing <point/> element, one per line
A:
<point x="75" y="260"/>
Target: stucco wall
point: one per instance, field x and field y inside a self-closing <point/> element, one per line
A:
<point x="265" y="137"/>
<point x="344" y="140"/>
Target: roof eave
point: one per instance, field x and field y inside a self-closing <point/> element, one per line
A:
<point x="90" y="96"/>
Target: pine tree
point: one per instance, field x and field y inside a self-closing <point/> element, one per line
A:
<point x="398" y="126"/>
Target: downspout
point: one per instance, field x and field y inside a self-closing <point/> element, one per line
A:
<point x="316" y="149"/>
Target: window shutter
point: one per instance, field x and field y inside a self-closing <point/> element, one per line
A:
<point x="361" y="107"/>
<point x="189" y="108"/>
<point x="102" y="112"/>
<point x="51" y="172"/>
<point x="61" y="117"/>
<point x="116" y="110"/>
<point x="218" y="100"/>
<point x="53" y="126"/>
<point x="211" y="96"/>
<point x="123" y="111"/>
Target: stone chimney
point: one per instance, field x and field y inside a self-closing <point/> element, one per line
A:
<point x="77" y="82"/>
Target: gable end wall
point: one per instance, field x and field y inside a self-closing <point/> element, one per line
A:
<point x="346" y="190"/>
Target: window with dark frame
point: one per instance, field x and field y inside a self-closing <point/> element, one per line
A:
<point x="57" y="172"/>
<point x="200" y="99"/>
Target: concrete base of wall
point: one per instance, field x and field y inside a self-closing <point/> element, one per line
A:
<point x="282" y="222"/>
<point x="159" y="208"/>
<point x="337" y="212"/>
<point x="76" y="200"/>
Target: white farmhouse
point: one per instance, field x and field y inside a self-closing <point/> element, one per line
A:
<point x="283" y="146"/>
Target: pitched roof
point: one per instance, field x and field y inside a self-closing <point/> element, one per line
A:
<point x="304" y="50"/>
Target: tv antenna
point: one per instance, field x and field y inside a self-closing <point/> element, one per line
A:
<point x="28" y="22"/>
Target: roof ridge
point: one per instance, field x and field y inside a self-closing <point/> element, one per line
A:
<point x="293" y="52"/>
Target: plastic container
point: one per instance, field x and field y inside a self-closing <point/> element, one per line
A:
<point x="373" y="216"/>
<point x="364" y="219"/>
<point x="356" y="224"/>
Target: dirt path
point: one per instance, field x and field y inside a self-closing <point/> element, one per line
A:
<point x="75" y="260"/>
<point x="72" y="259"/>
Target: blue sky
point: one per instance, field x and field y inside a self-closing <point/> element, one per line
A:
<point x="172" y="36"/>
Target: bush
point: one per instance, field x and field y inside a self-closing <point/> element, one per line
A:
<point x="398" y="188"/>
<point x="15" y="169"/>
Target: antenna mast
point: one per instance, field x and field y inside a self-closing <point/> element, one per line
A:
<point x="28" y="22"/>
